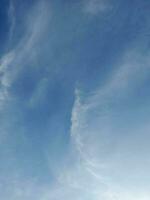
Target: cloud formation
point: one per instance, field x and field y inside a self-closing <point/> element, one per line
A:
<point x="95" y="134"/>
<point x="107" y="157"/>
<point x="15" y="59"/>
<point x="95" y="7"/>
<point x="12" y="20"/>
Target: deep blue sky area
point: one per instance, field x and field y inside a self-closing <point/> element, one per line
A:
<point x="74" y="99"/>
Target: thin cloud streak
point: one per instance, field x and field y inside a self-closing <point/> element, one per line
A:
<point x="99" y="163"/>
<point x="14" y="60"/>
<point x="12" y="21"/>
<point x="95" y="7"/>
<point x="92" y="128"/>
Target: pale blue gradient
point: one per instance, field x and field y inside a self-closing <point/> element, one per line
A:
<point x="74" y="100"/>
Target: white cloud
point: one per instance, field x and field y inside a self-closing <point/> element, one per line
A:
<point x="11" y="63"/>
<point x="104" y="165"/>
<point x="16" y="59"/>
<point x="108" y="153"/>
<point x="5" y="79"/>
<point x="100" y="162"/>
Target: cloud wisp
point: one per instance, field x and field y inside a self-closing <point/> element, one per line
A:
<point x="108" y="150"/>
<point x="14" y="60"/>
<point x="12" y="21"/>
<point x="95" y="134"/>
<point x="94" y="7"/>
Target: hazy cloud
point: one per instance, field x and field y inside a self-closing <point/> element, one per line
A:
<point x="94" y="7"/>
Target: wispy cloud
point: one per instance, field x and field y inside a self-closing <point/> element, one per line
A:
<point x="5" y="80"/>
<point x="12" y="21"/>
<point x="14" y="60"/>
<point x="94" y="7"/>
<point x="12" y="63"/>
<point x="95" y="132"/>
<point x="100" y="164"/>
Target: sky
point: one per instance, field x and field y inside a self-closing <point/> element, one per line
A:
<point x="74" y="99"/>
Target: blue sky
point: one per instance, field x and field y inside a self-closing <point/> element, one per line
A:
<point x="74" y="99"/>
